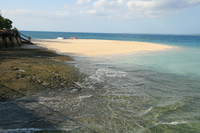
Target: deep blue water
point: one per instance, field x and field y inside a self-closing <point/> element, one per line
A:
<point x="191" y="40"/>
<point x="139" y="92"/>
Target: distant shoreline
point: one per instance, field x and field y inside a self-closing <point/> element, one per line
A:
<point x="94" y="47"/>
<point x="170" y="34"/>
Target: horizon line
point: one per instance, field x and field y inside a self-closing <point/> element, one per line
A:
<point x="113" y="32"/>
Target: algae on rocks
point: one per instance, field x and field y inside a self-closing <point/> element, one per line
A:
<point x="28" y="71"/>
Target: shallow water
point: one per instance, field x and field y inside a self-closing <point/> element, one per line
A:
<point x="120" y="94"/>
<point x="138" y="92"/>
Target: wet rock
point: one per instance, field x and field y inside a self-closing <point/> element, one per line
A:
<point x="21" y="70"/>
<point x="45" y="84"/>
<point x="48" y="74"/>
<point x="15" y="69"/>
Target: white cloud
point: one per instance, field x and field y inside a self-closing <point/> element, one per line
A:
<point x="107" y="4"/>
<point x="159" y="14"/>
<point x="37" y="14"/>
<point x="194" y="1"/>
<point x="161" y="8"/>
<point x="108" y="8"/>
<point x="122" y="9"/>
<point x="90" y="14"/>
<point x="162" y="4"/>
<point x="83" y="1"/>
<point x="112" y="9"/>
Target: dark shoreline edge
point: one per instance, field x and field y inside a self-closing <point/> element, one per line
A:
<point x="29" y="71"/>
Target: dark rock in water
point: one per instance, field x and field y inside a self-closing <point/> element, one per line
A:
<point x="15" y="68"/>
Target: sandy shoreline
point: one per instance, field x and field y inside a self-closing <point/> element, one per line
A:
<point x="92" y="47"/>
<point x="34" y="68"/>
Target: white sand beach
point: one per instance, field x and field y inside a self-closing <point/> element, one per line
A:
<point x="92" y="47"/>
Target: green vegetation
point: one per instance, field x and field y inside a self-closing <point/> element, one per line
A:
<point x="5" y="23"/>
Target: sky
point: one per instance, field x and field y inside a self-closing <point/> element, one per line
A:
<point x="105" y="16"/>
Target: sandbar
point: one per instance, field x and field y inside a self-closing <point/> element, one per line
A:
<point x="93" y="47"/>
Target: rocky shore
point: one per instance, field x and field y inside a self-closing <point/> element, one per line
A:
<point x="29" y="71"/>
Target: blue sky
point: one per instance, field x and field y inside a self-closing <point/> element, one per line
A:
<point x="105" y="16"/>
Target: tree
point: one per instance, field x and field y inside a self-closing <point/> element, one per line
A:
<point x="5" y="23"/>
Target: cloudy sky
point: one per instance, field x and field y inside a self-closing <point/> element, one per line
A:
<point x="105" y="16"/>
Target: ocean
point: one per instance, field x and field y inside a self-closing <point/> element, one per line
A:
<point x="143" y="92"/>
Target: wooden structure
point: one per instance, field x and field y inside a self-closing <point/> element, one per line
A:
<point x="13" y="39"/>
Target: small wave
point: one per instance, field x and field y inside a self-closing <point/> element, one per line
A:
<point x="45" y="99"/>
<point x="162" y="123"/>
<point x="107" y="72"/>
<point x="174" y="123"/>
<point x="146" y="111"/>
<point x="111" y="72"/>
<point x="170" y="123"/>
<point x="143" y="52"/>
<point x="82" y="97"/>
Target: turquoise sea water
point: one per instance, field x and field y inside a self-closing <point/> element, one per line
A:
<point x="138" y="92"/>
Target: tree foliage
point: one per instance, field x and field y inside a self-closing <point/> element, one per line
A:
<point x="5" y="23"/>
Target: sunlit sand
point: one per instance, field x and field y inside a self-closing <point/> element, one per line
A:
<point x="92" y="47"/>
